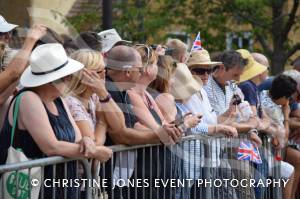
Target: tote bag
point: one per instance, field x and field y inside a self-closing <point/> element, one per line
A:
<point x="15" y="185"/>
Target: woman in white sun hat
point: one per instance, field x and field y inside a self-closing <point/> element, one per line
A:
<point x="45" y="126"/>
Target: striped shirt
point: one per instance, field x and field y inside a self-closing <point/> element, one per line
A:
<point x="220" y="98"/>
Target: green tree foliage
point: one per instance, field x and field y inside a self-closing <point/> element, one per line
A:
<point x="269" y="21"/>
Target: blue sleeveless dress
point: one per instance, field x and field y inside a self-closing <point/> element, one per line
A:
<point x="63" y="131"/>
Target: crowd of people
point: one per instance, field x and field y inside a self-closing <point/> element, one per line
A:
<point x="78" y="96"/>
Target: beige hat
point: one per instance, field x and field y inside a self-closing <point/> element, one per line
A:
<point x="185" y="85"/>
<point x="200" y="57"/>
<point x="109" y="38"/>
<point x="253" y="68"/>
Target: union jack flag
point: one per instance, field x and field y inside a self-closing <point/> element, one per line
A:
<point x="248" y="152"/>
<point x="197" y="45"/>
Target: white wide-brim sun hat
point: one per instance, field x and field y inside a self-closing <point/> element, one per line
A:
<point x="48" y="62"/>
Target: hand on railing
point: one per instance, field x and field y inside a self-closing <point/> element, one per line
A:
<point x="226" y="130"/>
<point x="254" y="138"/>
<point x="103" y="153"/>
<point x="87" y="146"/>
<point x="90" y="150"/>
<point x="191" y="120"/>
<point x="169" y="134"/>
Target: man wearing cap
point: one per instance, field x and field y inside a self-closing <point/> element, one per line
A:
<point x="109" y="39"/>
<point x="124" y="67"/>
<point x="5" y="29"/>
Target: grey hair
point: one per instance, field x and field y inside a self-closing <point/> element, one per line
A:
<point x="232" y="59"/>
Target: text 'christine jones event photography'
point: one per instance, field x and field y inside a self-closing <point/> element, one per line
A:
<point x="150" y="99"/>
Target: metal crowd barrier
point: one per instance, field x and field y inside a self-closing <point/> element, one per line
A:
<point x="58" y="167"/>
<point x="193" y="168"/>
<point x="180" y="171"/>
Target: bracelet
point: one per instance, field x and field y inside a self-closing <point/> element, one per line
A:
<point x="106" y="99"/>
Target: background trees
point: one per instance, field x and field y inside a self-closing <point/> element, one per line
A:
<point x="273" y="24"/>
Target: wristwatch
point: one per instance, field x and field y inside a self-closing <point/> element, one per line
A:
<point x="106" y="99"/>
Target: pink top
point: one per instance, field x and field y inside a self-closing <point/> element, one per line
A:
<point x="80" y="113"/>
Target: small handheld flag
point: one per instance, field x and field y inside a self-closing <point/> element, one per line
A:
<point x="248" y="152"/>
<point x="197" y="45"/>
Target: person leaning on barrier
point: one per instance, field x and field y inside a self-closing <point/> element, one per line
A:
<point x="149" y="116"/>
<point x="83" y="102"/>
<point x="41" y="104"/>
<point x="143" y="103"/>
<point x="224" y="94"/>
<point x="201" y="67"/>
<point x="252" y="76"/>
<point x="160" y="87"/>
<point x="124" y="67"/>
<point x="275" y="103"/>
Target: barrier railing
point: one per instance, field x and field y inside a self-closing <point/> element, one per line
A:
<point x="183" y="170"/>
<point x="54" y="170"/>
<point x="197" y="167"/>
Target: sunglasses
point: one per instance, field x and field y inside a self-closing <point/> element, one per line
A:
<point x="147" y="50"/>
<point x="202" y="71"/>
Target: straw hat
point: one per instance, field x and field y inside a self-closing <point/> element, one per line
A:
<point x="253" y="68"/>
<point x="48" y="62"/>
<point x="200" y="57"/>
<point x="5" y="26"/>
<point x="109" y="38"/>
<point x="185" y="85"/>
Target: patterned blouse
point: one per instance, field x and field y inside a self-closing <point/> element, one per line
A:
<point x="80" y="113"/>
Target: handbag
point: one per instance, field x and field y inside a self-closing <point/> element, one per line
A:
<point x="16" y="184"/>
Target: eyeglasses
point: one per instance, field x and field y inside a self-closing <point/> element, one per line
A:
<point x="202" y="71"/>
<point x="100" y="71"/>
<point x="138" y="69"/>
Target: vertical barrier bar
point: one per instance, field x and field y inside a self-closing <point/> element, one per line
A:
<point x="17" y="184"/>
<point x="42" y="182"/>
<point x="157" y="170"/>
<point x="135" y="172"/>
<point x="76" y="176"/>
<point x="54" y="177"/>
<point x="120" y="173"/>
<point x="128" y="189"/>
<point x="112" y="176"/>
<point x="29" y="183"/>
<point x="164" y="169"/>
<point x="207" y="173"/>
<point x="143" y="171"/>
<point x="151" y="173"/>
<point x="171" y="169"/>
<point x="66" y="177"/>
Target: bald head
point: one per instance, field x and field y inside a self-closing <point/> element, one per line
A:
<point x="123" y="57"/>
<point x="260" y="58"/>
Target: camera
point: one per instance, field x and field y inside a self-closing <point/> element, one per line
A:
<point x="236" y="99"/>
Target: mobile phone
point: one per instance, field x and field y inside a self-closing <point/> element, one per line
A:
<point x="236" y="99"/>
<point x="178" y="121"/>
